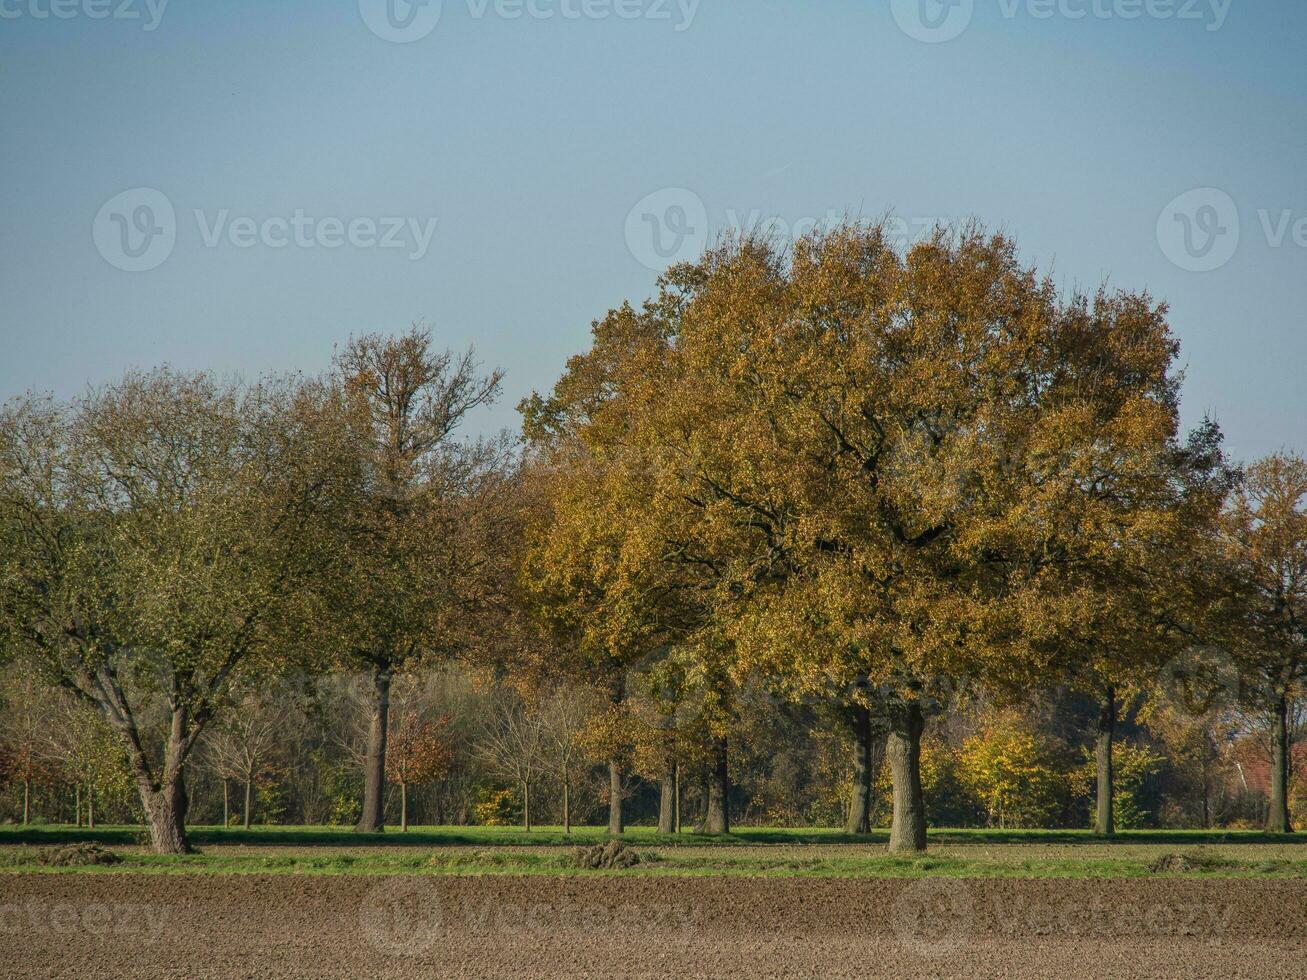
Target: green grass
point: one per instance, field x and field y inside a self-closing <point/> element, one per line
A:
<point x="318" y="836"/>
<point x="747" y="852"/>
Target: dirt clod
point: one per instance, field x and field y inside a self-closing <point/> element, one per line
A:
<point x="1171" y="864"/>
<point x="609" y="856"/>
<point x="76" y="856"/>
<point x="1185" y="863"/>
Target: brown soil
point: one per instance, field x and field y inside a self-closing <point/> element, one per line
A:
<point x="124" y="925"/>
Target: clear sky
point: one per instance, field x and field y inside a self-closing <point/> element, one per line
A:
<point x="240" y="185"/>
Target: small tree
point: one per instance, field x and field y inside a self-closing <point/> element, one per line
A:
<point x="514" y="746"/>
<point x="89" y="755"/>
<point x="25" y="727"/>
<point x="566" y="713"/>
<point x="418" y="753"/>
<point x="242" y="746"/>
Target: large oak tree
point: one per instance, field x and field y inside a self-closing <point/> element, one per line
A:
<point x="873" y="473"/>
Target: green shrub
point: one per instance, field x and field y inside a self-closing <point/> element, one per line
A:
<point x="1017" y="773"/>
<point x="1135" y="801"/>
<point x="496" y="808"/>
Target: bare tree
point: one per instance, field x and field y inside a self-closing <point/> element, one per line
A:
<point x="514" y="746"/>
<point x="242" y="745"/>
<point x="564" y="717"/>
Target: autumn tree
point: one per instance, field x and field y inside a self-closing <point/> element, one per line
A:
<point x="1143" y="575"/>
<point x="27" y="723"/>
<point x="667" y="735"/>
<point x="570" y="574"/>
<point x="155" y="535"/>
<point x="418" y="754"/>
<point x="850" y="469"/>
<point x="1195" y="743"/>
<point x="610" y="569"/>
<point x="88" y="754"/>
<point x="1267" y="532"/>
<point x="413" y="554"/>
<point x="1015" y="772"/>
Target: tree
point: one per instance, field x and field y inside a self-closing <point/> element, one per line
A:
<point x="242" y="745"/>
<point x="1267" y="532"/>
<point x="869" y="741"/>
<point x="1014" y="770"/>
<point x="413" y="555"/>
<point x="87" y="753"/>
<point x="25" y="727"/>
<point x="156" y="534"/>
<point x="1133" y="775"/>
<point x="566" y="714"/>
<point x="514" y="745"/>
<point x="604" y="569"/>
<point x="1146" y="549"/>
<point x="849" y="469"/>
<point x="1196" y="745"/>
<point x="418" y="754"/>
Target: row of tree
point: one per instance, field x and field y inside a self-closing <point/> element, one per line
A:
<point x="842" y="478"/>
<point x="466" y="748"/>
<point x="874" y="479"/>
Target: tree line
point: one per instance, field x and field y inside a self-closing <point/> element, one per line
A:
<point x="839" y="488"/>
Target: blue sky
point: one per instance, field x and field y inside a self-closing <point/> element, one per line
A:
<point x="483" y="172"/>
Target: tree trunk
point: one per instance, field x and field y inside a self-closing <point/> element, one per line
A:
<point x="1277" y="819"/>
<point x="908" y="830"/>
<point x="226" y="804"/>
<point x="1104" y="819"/>
<point x="526" y="806"/>
<point x="403" y="808"/>
<point x="859" y="817"/>
<point x="249" y="800"/>
<point x="77" y="805"/>
<point x="163" y="799"/>
<point x="373" y="819"/>
<point x="676" y="783"/>
<point x="90" y="807"/>
<point x="717" y="819"/>
<point x="165" y="813"/>
<point x="567" y="808"/>
<point x="666" y="805"/>
<point x="27" y="800"/>
<point x="615" y="820"/>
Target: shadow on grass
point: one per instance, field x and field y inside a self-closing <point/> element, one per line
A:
<point x="490" y="836"/>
